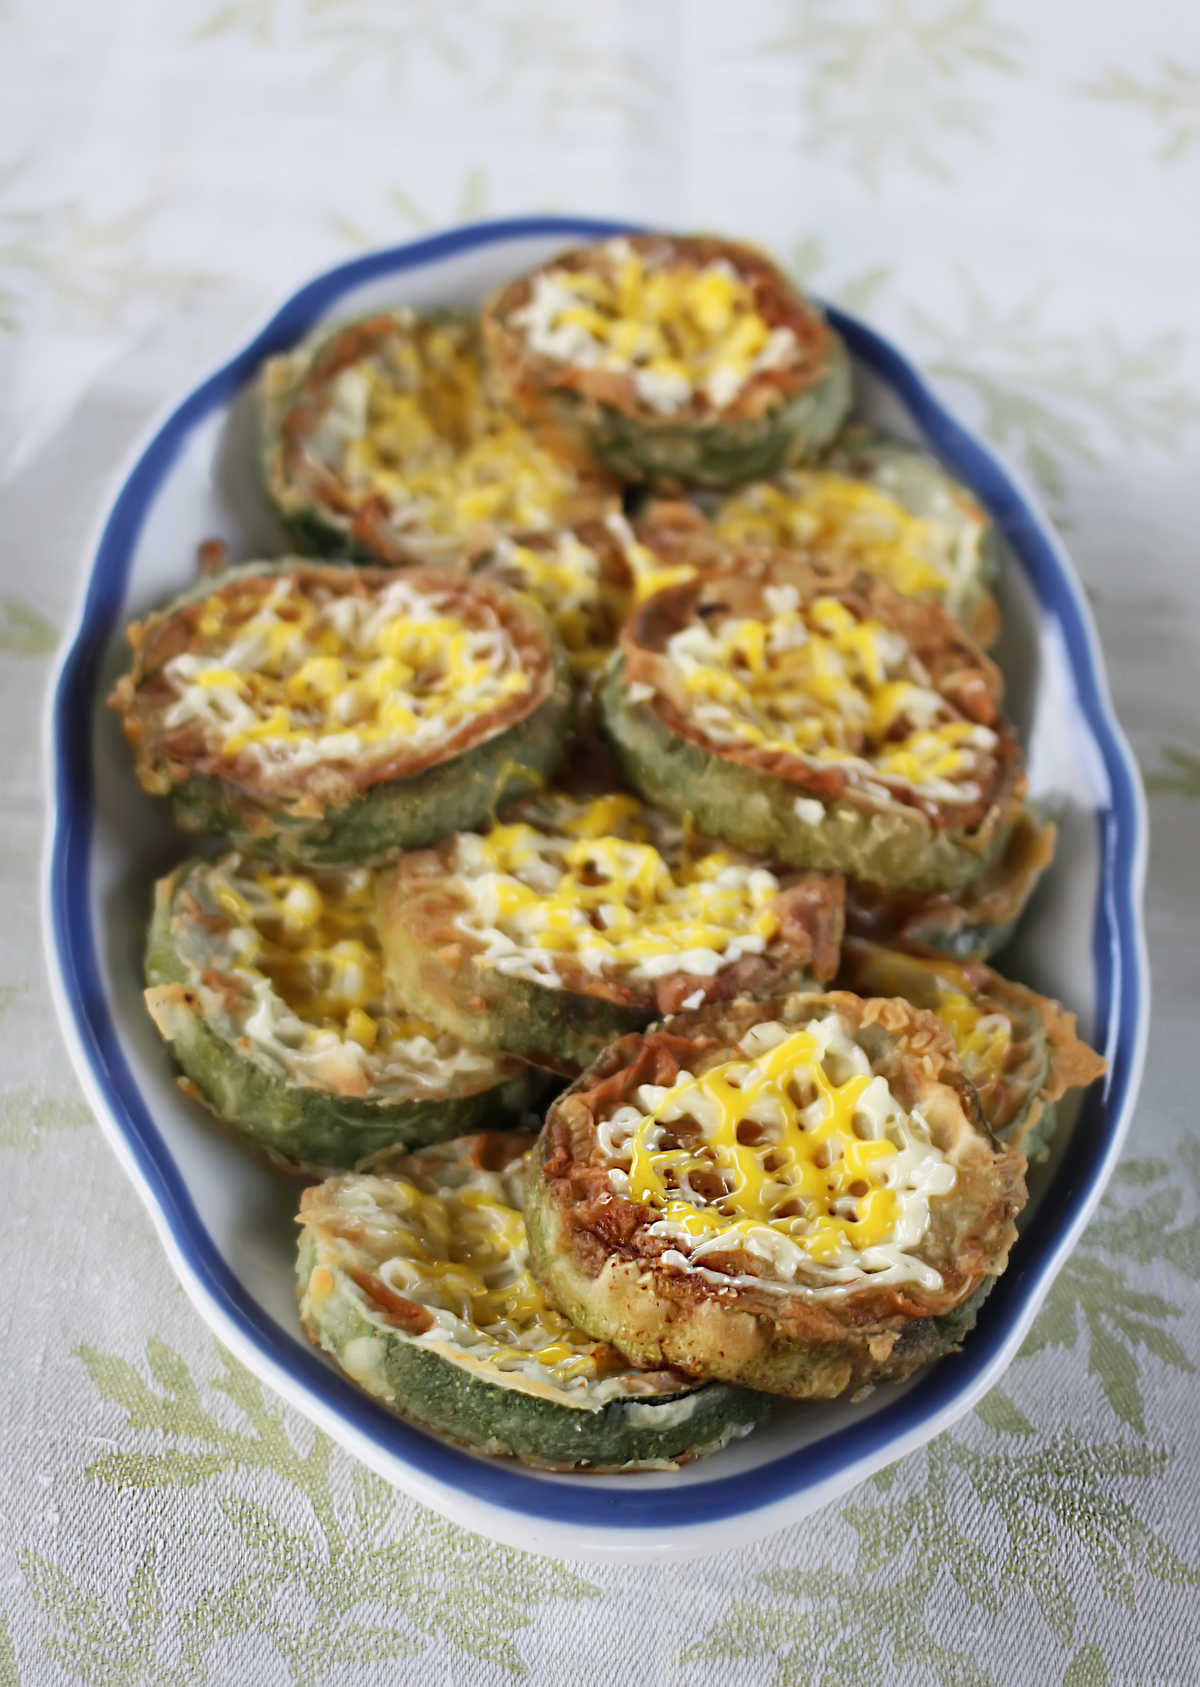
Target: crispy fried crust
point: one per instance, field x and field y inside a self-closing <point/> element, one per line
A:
<point x="1043" y="1060"/>
<point x="593" y="1251"/>
<point x="976" y="921"/>
<point x="747" y="794"/>
<point x="365" y="807"/>
<point x="778" y="416"/>
<point x="437" y="966"/>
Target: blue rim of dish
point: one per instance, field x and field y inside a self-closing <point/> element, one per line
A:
<point x="1121" y="985"/>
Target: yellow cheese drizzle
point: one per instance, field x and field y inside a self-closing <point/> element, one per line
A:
<point x="434" y="442"/>
<point x="318" y="946"/>
<point x="310" y="680"/>
<point x="827" y="697"/>
<point x="569" y="583"/>
<point x="811" y="1168"/>
<point x="618" y="894"/>
<point x="465" y="1251"/>
<point x="841" y="519"/>
<point x="678" y="323"/>
<point x="584" y="599"/>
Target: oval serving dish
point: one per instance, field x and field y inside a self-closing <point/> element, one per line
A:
<point x="228" y="1227"/>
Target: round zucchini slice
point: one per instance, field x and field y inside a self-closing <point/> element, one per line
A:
<point x="415" y="1278"/>
<point x="320" y="714"/>
<point x="268" y="987"/>
<point x="874" y="504"/>
<point x="681" y="361"/>
<point x="808" y="712"/>
<point x="798" y="1195"/>
<point x="976" y="921"/>
<point x="380" y="444"/>
<point x="1019" y="1049"/>
<point x="580" y="918"/>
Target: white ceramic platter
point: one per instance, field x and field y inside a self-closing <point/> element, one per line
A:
<point x="226" y="1222"/>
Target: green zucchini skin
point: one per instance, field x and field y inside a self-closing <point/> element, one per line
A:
<point x="392" y="815"/>
<point x="720" y="453"/>
<point x="300" y="1127"/>
<point x="754" y="809"/>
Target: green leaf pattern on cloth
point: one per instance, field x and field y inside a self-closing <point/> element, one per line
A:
<point x="1169" y="95"/>
<point x="1179" y="776"/>
<point x="886" y="87"/>
<point x="1053" y="396"/>
<point x="368" y="1589"/>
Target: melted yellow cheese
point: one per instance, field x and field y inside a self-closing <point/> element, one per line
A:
<point x="843" y="520"/>
<point x="450" y="1237"/>
<point x="308" y="673"/>
<point x="289" y="965"/>
<point x="615" y="886"/>
<point x="412" y="427"/>
<point x="586" y="591"/>
<point x="815" y="681"/>
<point x="793" y="1149"/>
<point x="677" y="329"/>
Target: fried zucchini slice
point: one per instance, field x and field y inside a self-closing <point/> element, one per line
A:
<point x="321" y="714"/>
<point x="681" y="361"/>
<point x="1019" y="1049"/>
<point x="268" y="987"/>
<point x="976" y="921"/>
<point x="379" y="443"/>
<point x="579" y="918"/>
<point x="872" y="503"/>
<point x="414" y="1277"/>
<point x="798" y="1195"/>
<point x="808" y="712"/>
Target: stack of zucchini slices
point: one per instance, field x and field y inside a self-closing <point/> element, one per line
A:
<point x="618" y="674"/>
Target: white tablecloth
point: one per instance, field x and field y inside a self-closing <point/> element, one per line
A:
<point x="1014" y="192"/>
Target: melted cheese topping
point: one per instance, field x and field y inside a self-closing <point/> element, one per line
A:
<point x="288" y="967"/>
<point x="304" y="673"/>
<point x="454" y="1242"/>
<point x="816" y="682"/>
<point x="846" y="520"/>
<point x="586" y="592"/>
<point x="679" y="331"/>
<point x="615" y="886"/>
<point x="793" y="1152"/>
<point x="411" y="426"/>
